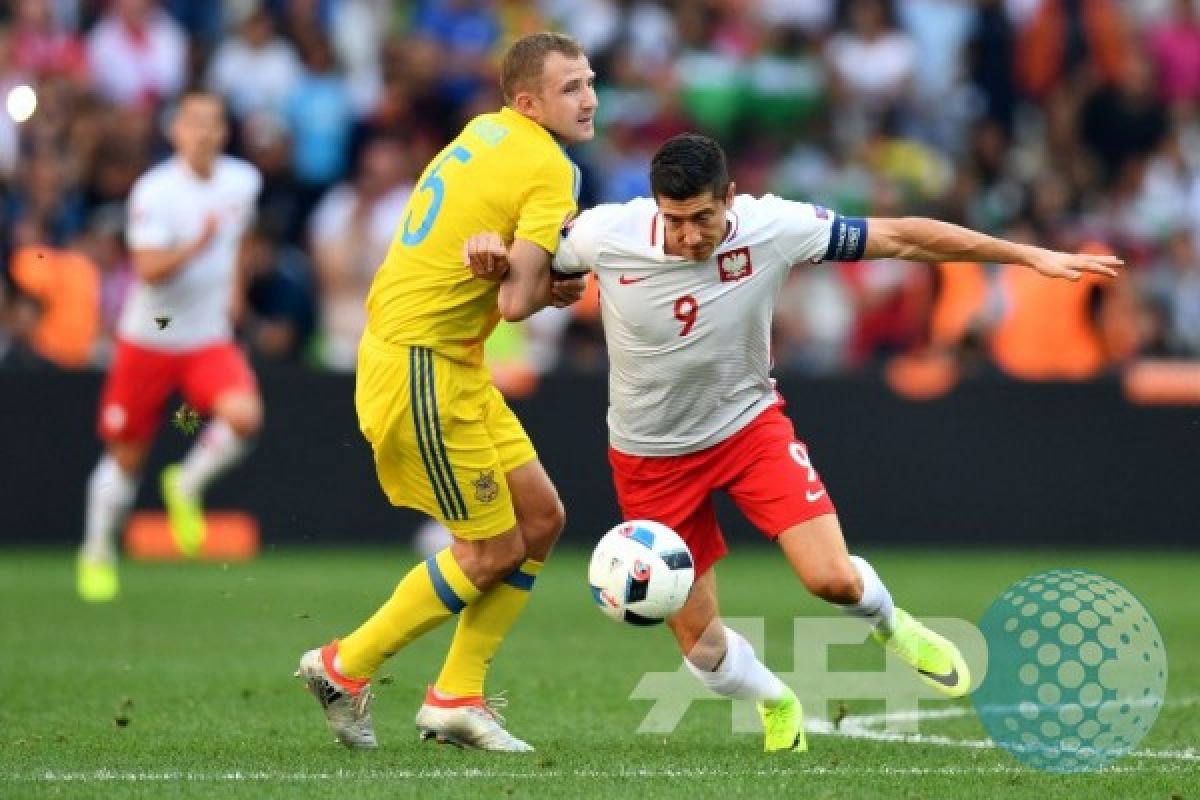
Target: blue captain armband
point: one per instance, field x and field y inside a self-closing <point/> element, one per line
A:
<point x="847" y="239"/>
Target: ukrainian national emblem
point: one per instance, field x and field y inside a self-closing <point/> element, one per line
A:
<point x="734" y="265"/>
<point x="486" y="488"/>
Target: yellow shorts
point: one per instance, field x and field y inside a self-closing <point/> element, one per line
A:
<point x="444" y="439"/>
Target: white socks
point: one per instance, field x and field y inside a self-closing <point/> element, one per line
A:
<point x="217" y="450"/>
<point x="110" y="494"/>
<point x="740" y="673"/>
<point x="876" y="605"/>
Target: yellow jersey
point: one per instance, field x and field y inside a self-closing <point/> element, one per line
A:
<point x="503" y="173"/>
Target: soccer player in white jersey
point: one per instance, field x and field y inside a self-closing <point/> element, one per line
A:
<point x="688" y="284"/>
<point x="187" y="217"/>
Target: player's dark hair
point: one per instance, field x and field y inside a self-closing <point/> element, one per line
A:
<point x="688" y="165"/>
<point x="522" y="65"/>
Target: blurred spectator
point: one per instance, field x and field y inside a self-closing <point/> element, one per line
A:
<point x="918" y="172"/>
<point x="813" y="320"/>
<point x="359" y="29"/>
<point x="410" y="99"/>
<point x="890" y="297"/>
<point x="303" y="18"/>
<point x="19" y="316"/>
<point x="66" y="286"/>
<point x="625" y="165"/>
<point x="708" y="76"/>
<point x="993" y="189"/>
<point x="1125" y="120"/>
<point x="890" y="301"/>
<point x="280" y="313"/>
<point x="283" y="204"/>
<point x="813" y="17"/>
<point x="1173" y="287"/>
<point x="872" y="64"/>
<point x="42" y="47"/>
<point x="467" y="31"/>
<point x="1069" y="41"/>
<point x="939" y="30"/>
<point x="256" y="71"/>
<point x="350" y="231"/>
<point x="641" y="31"/>
<point x="1157" y="204"/>
<point x="1174" y="44"/>
<point x="991" y="62"/>
<point x="595" y="24"/>
<point x="786" y="85"/>
<point x="124" y="149"/>
<point x="204" y="21"/>
<point x="103" y="244"/>
<point x="137" y="54"/>
<point x="47" y="199"/>
<point x="1054" y="117"/>
<point x="1076" y="317"/>
<point x="320" y="115"/>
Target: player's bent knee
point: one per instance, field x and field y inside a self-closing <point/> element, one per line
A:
<point x="242" y="412"/>
<point x="541" y="530"/>
<point x="551" y="522"/>
<point x="129" y="456"/>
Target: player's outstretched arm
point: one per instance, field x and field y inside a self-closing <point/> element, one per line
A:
<point x="922" y="239"/>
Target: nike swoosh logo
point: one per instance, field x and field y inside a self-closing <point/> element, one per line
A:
<point x="812" y="496"/>
<point x="625" y="280"/>
<point x="949" y="680"/>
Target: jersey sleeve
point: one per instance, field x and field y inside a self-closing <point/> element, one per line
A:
<point x="149" y="226"/>
<point x="811" y="233"/>
<point x="548" y="202"/>
<point x="578" y="249"/>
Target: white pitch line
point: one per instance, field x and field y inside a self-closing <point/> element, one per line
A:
<point x="964" y="711"/>
<point x="862" y="727"/>
<point x="250" y="776"/>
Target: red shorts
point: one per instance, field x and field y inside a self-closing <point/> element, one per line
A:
<point x="763" y="468"/>
<point x="140" y="381"/>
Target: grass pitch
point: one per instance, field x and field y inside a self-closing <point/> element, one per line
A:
<point x="183" y="688"/>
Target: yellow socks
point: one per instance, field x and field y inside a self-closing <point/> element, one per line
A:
<point x="429" y="594"/>
<point x="481" y="629"/>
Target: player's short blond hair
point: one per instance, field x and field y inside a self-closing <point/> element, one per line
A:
<point x="524" y="60"/>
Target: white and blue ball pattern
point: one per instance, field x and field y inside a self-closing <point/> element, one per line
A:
<point x="641" y="572"/>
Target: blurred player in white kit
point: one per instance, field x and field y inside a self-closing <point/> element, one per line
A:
<point x="187" y="217"/>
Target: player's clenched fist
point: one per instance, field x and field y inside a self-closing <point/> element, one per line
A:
<point x="486" y="256"/>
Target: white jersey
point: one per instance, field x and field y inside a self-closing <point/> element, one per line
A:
<point x="689" y="342"/>
<point x="168" y="208"/>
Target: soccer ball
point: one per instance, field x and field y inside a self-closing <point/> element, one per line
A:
<point x="641" y="572"/>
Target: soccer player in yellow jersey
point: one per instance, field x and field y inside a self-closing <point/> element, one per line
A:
<point x="444" y="440"/>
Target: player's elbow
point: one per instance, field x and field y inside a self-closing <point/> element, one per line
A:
<point x="514" y="308"/>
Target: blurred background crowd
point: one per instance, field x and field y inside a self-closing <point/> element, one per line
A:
<point x="1066" y="123"/>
